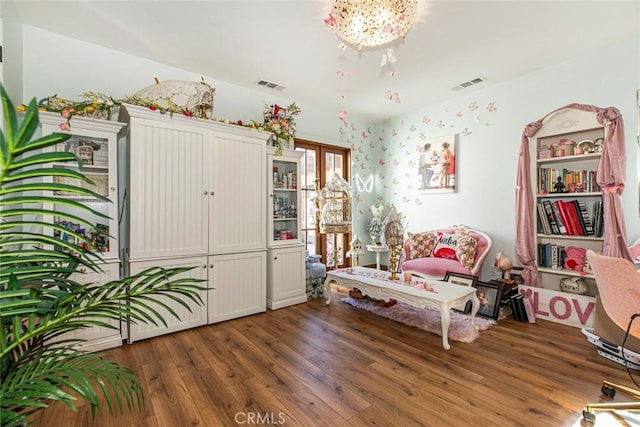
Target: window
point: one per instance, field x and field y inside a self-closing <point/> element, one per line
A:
<point x="318" y="165"/>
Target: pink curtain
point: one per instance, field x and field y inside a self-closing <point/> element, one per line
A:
<point x="610" y="177"/>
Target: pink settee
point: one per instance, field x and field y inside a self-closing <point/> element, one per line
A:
<point x="437" y="267"/>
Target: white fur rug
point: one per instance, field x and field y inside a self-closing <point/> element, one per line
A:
<point x="427" y="319"/>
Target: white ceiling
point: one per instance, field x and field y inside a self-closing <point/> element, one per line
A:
<point x="286" y="42"/>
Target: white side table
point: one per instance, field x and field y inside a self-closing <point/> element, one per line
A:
<point x="377" y="249"/>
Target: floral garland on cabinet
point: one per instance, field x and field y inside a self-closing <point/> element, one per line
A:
<point x="281" y="122"/>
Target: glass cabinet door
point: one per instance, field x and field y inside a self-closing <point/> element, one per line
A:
<point x="94" y="142"/>
<point x="284" y="193"/>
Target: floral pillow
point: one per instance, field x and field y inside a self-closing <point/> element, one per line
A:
<point x="445" y="246"/>
<point x="466" y="249"/>
<point x="421" y="245"/>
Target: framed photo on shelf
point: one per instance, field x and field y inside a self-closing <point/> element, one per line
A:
<point x="489" y="294"/>
<point x="460" y="279"/>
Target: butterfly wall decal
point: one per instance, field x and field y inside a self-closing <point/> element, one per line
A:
<point x="387" y="58"/>
<point x="364" y="186"/>
<point x="392" y="96"/>
<point x="330" y="21"/>
<point x="342" y="116"/>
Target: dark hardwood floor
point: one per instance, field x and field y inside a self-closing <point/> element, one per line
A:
<point x="318" y="365"/>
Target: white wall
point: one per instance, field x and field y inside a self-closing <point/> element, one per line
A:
<point x="489" y="141"/>
<point x="11" y="52"/>
<point x="58" y="65"/>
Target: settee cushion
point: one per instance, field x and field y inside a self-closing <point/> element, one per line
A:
<point x="445" y="246"/>
<point x="466" y="250"/>
<point x="421" y="244"/>
<point x="434" y="267"/>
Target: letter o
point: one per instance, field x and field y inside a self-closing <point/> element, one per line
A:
<point x="563" y="301"/>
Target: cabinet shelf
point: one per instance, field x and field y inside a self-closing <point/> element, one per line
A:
<point x="570" y="237"/>
<point x="82" y="198"/>
<point x="563" y="272"/>
<point x="576" y="194"/>
<point x="87" y="168"/>
<point x="286" y="219"/>
<point x="563" y="159"/>
<point x="291" y="190"/>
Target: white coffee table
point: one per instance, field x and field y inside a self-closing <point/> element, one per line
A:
<point x="377" y="249"/>
<point x="440" y="295"/>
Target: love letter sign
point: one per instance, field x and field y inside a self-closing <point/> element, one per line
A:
<point x="560" y="307"/>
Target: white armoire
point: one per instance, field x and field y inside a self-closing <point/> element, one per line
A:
<point x="196" y="197"/>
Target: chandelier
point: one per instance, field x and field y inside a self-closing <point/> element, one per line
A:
<point x="369" y="23"/>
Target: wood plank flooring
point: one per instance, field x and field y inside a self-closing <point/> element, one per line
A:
<point x="318" y="365"/>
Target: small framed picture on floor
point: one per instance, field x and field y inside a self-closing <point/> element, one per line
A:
<point x="489" y="295"/>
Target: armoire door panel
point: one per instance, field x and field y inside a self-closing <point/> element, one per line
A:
<point x="188" y="319"/>
<point x="236" y="215"/>
<point x="237" y="285"/>
<point x="168" y="204"/>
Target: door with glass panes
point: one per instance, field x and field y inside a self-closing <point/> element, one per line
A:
<point x="318" y="164"/>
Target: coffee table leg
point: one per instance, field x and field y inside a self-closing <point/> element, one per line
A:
<point x="327" y="291"/>
<point x="445" y="319"/>
<point x="475" y="305"/>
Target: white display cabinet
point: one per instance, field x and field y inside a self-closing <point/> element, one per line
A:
<point x="286" y="255"/>
<point x="284" y="220"/>
<point x="95" y="142"/>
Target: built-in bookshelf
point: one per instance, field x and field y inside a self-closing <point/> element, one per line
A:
<point x="565" y="156"/>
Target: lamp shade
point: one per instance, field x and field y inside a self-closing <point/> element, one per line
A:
<point x="367" y="23"/>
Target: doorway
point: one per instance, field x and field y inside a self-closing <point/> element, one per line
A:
<point x="318" y="164"/>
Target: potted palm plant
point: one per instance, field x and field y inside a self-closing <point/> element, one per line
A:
<point x="39" y="300"/>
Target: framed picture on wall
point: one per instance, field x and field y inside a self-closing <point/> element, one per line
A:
<point x="437" y="167"/>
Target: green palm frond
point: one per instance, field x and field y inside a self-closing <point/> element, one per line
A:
<point x="41" y="297"/>
<point x="56" y="368"/>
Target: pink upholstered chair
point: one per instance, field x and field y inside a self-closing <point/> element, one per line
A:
<point x="617" y="305"/>
<point x="435" y="267"/>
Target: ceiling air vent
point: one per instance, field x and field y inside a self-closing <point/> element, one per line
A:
<point x="469" y="83"/>
<point x="270" y="85"/>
